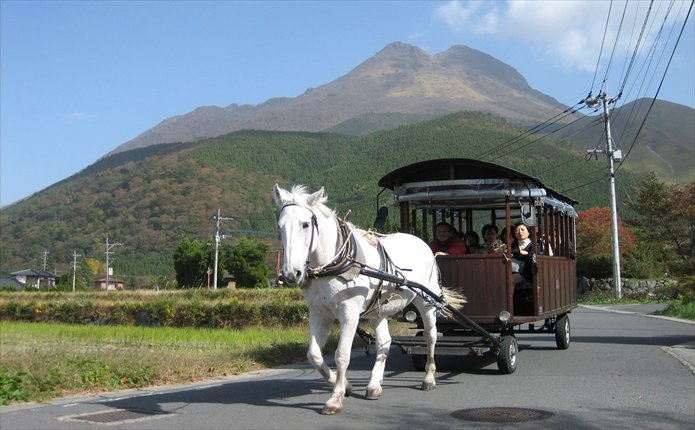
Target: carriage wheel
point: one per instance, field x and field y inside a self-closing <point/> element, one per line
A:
<point x="562" y="332"/>
<point x="507" y="357"/>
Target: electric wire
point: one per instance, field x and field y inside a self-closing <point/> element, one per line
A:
<point x="663" y="77"/>
<point x="636" y="50"/>
<point x="615" y="43"/>
<point x="600" y="52"/>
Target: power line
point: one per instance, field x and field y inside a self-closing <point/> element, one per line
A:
<point x="663" y="77"/>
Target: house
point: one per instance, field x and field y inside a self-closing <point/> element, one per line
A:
<point x="36" y="278"/>
<point x="114" y="284"/>
<point x="10" y="283"/>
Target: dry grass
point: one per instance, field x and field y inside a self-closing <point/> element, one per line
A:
<point x="42" y="361"/>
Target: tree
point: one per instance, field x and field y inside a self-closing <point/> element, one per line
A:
<point x="594" y="245"/>
<point x="683" y="199"/>
<point x="247" y="260"/>
<point x="594" y="233"/>
<point x="666" y="213"/>
<point x="191" y="263"/>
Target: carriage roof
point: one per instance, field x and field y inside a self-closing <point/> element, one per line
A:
<point x="451" y="182"/>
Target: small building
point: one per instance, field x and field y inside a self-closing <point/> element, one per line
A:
<point x="114" y="284"/>
<point x="10" y="283"/>
<point x="36" y="278"/>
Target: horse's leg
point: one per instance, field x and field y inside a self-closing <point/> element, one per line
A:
<point x="319" y="326"/>
<point x="383" y="344"/>
<point x="430" y="332"/>
<point x="348" y="326"/>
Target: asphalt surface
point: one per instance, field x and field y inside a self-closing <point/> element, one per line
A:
<point x="624" y="369"/>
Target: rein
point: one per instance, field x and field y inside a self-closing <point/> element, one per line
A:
<point x="345" y="256"/>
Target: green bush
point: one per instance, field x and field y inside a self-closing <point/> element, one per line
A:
<point x="189" y="308"/>
<point x="595" y="266"/>
<point x="13" y="387"/>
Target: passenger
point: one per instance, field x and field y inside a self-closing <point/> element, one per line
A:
<point x="447" y="242"/>
<point x="492" y="244"/>
<point x="544" y="247"/>
<point x="503" y="237"/>
<point x="472" y="242"/>
<point x="522" y="254"/>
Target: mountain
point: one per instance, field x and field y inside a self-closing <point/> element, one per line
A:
<point x="400" y="79"/>
<point x="403" y="84"/>
<point x="656" y="135"/>
<point x="150" y="198"/>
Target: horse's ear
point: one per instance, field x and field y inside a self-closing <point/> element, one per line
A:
<point x="317" y="197"/>
<point x="279" y="195"/>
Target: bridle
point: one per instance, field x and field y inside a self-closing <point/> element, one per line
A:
<point x="345" y="256"/>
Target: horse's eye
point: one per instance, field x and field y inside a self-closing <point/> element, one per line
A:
<point x="305" y="225"/>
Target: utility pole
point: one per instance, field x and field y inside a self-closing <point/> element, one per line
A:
<point x="613" y="155"/>
<point x="108" y="253"/>
<point x="74" y="268"/>
<point x="45" y="259"/>
<point x="217" y="219"/>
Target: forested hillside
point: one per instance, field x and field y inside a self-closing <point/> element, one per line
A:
<point x="149" y="199"/>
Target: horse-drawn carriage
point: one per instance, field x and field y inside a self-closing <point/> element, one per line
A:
<point x="349" y="274"/>
<point x="469" y="194"/>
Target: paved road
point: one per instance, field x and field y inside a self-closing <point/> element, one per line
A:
<point x="622" y="370"/>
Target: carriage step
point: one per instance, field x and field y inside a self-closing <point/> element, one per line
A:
<point x="446" y="345"/>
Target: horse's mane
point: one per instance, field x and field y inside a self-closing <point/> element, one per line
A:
<point x="300" y="195"/>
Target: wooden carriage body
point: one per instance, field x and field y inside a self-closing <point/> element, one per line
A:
<point x="469" y="194"/>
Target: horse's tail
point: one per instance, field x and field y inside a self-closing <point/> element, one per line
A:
<point x="453" y="297"/>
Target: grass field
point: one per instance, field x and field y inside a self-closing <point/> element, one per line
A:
<point x="41" y="361"/>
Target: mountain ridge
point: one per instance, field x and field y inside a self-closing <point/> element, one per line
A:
<point x="401" y="78"/>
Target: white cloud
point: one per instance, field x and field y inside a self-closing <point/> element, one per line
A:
<point x="569" y="33"/>
<point x="457" y="15"/>
<point x="74" y="117"/>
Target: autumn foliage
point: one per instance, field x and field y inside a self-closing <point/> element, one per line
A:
<point x="594" y="233"/>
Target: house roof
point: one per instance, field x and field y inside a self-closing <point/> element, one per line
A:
<point x="10" y="282"/>
<point x="111" y="279"/>
<point x="39" y="273"/>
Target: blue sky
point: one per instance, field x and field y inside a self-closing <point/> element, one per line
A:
<point x="78" y="79"/>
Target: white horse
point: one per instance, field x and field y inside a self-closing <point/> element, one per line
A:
<point x="324" y="256"/>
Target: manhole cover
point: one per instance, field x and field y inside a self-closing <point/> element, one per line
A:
<point x="501" y="415"/>
<point x="117" y="416"/>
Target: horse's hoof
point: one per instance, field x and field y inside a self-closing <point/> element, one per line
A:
<point x="331" y="410"/>
<point x="348" y="390"/>
<point x="373" y="393"/>
<point x="427" y="386"/>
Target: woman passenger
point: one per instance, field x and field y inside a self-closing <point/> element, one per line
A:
<point x="472" y="242"/>
<point x="522" y="254"/>
<point x="492" y="243"/>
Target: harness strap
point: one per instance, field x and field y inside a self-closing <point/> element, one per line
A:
<point x="343" y="260"/>
<point x="385" y="265"/>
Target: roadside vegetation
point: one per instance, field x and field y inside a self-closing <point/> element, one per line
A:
<point x="59" y="343"/>
<point x="657" y="241"/>
<point x="40" y="361"/>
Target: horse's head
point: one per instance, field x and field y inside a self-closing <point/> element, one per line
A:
<point x="298" y="229"/>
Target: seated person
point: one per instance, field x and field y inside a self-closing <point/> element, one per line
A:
<point x="472" y="242"/>
<point x="492" y="244"/>
<point x="544" y="247"/>
<point x="447" y="242"/>
<point x="522" y="254"/>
